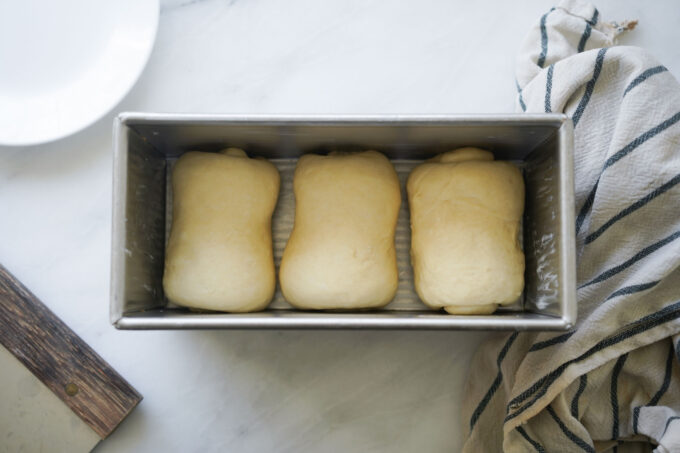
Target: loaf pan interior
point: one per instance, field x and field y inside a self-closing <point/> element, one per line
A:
<point x="146" y="147"/>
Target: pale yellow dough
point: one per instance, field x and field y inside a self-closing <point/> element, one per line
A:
<point x="466" y="211"/>
<point x="341" y="252"/>
<point x="219" y="255"/>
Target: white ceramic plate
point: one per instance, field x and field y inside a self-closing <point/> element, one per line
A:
<point x="66" y="63"/>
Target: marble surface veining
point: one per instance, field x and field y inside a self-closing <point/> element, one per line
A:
<point x="278" y="391"/>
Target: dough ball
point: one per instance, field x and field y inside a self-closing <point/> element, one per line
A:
<point x="219" y="255"/>
<point x="466" y="211"/>
<point x="341" y="252"/>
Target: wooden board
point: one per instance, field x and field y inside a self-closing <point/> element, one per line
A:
<point x="61" y="360"/>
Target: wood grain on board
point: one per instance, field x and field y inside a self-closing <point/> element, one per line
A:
<point x="61" y="359"/>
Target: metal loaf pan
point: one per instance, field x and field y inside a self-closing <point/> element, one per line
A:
<point x="147" y="145"/>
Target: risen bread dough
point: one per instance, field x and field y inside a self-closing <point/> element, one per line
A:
<point x="219" y="255"/>
<point x="465" y="216"/>
<point x="341" y="252"/>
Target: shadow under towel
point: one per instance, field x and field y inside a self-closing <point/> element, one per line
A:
<point x="613" y="382"/>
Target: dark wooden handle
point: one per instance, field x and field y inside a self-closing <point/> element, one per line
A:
<point x="61" y="359"/>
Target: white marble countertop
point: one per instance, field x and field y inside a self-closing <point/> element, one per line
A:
<point x="278" y="391"/>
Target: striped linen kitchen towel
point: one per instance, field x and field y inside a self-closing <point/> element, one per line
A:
<point x="613" y="382"/>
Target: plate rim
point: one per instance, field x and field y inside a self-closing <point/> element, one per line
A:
<point x="25" y="140"/>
